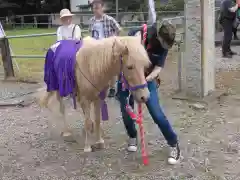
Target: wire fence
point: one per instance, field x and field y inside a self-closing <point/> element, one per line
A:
<point x="27" y="51"/>
<point x="82" y="19"/>
<point x="178" y="21"/>
<point x="129" y="20"/>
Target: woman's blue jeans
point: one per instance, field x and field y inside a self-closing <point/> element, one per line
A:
<point x="154" y="109"/>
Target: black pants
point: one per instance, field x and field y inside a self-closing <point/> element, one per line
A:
<point x="234" y="30"/>
<point x="227" y="36"/>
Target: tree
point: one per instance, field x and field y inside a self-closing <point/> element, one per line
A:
<point x="7" y="7"/>
<point x="125" y="5"/>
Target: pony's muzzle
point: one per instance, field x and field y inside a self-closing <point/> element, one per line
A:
<point x="144" y="99"/>
<point x="141" y="95"/>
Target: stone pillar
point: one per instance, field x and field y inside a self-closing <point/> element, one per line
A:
<point x="198" y="76"/>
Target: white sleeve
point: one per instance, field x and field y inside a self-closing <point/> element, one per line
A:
<point x="151" y="12"/>
<point x="59" y="34"/>
<point x="77" y="33"/>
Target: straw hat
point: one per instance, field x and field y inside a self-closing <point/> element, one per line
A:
<point x="65" y="13"/>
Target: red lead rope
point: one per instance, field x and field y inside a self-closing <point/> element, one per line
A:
<point x="139" y="121"/>
<point x="139" y="118"/>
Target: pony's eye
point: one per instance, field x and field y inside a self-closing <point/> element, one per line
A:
<point x="130" y="67"/>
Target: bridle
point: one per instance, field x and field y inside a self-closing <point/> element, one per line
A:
<point x="126" y="84"/>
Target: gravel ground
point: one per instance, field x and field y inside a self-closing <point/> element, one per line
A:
<point x="30" y="146"/>
<point x="225" y="63"/>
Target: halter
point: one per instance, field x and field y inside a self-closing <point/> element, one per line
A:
<point x="126" y="84"/>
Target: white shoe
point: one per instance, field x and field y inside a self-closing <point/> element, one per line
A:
<point x="132" y="145"/>
<point x="174" y="155"/>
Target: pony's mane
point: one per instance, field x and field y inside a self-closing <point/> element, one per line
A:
<point x="136" y="50"/>
<point x="96" y="55"/>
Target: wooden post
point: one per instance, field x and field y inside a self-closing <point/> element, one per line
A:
<point x="49" y="20"/>
<point x="6" y="58"/>
<point x="35" y="22"/>
<point x="22" y="21"/>
<point x="117" y="15"/>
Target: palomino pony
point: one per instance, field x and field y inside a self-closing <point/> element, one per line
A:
<point x="97" y="61"/>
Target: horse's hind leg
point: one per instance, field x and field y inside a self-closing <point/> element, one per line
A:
<point x="66" y="132"/>
<point x="88" y="125"/>
<point x="100" y="141"/>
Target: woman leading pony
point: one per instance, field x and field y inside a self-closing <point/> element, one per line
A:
<point x="159" y="40"/>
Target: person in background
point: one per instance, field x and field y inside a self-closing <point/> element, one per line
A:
<point x="103" y="26"/>
<point x="236" y="24"/>
<point x="68" y="30"/>
<point x="227" y="17"/>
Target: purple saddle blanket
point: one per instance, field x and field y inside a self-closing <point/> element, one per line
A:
<point x="59" y="69"/>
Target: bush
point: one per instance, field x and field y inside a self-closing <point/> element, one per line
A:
<point x="172" y="5"/>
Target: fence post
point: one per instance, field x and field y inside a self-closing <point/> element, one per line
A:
<point x="22" y="21"/>
<point x="6" y="58"/>
<point x="7" y="20"/>
<point x="35" y="21"/>
<point x="49" y="21"/>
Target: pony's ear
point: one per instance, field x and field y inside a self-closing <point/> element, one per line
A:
<point x="119" y="48"/>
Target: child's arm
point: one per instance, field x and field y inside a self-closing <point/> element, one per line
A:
<point x="59" y="34"/>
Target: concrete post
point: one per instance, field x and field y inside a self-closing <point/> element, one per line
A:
<point x="198" y="76"/>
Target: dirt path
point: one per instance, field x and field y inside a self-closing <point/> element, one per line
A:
<point x="30" y="147"/>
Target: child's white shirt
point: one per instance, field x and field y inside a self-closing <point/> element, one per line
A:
<point x="66" y="32"/>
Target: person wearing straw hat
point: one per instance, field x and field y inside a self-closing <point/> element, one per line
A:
<point x="68" y="30"/>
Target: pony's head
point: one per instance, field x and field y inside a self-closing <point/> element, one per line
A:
<point x="133" y="64"/>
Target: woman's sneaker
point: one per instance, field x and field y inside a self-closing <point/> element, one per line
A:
<point x="132" y="145"/>
<point x="174" y="155"/>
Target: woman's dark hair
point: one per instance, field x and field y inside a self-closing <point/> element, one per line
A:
<point x="167" y="32"/>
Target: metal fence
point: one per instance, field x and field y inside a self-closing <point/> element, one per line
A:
<point x="82" y="19"/>
<point x="178" y="21"/>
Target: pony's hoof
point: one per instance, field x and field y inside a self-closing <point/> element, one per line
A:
<point x="98" y="145"/>
<point x="87" y="149"/>
<point x="67" y="136"/>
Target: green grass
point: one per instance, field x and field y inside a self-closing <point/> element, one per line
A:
<point x="31" y="68"/>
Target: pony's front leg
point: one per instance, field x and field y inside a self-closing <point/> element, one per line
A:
<point x="100" y="141"/>
<point x="88" y="125"/>
<point x="44" y="100"/>
<point x="66" y="132"/>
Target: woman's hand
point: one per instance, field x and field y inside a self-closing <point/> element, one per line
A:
<point x="154" y="74"/>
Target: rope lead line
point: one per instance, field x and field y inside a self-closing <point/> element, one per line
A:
<point x="139" y="117"/>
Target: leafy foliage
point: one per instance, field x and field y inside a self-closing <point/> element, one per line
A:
<point x="8" y="7"/>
